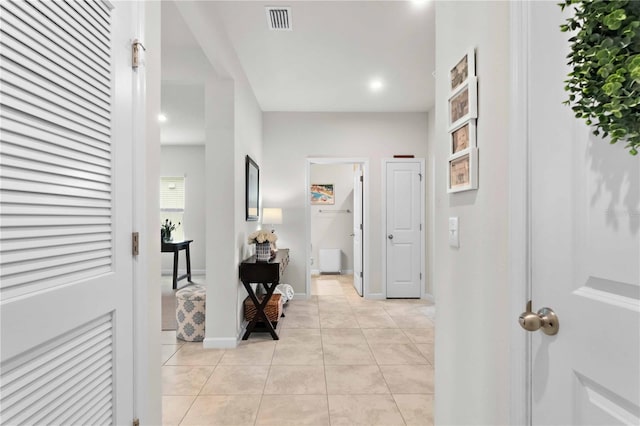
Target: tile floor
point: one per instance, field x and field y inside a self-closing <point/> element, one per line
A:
<point x="340" y="360"/>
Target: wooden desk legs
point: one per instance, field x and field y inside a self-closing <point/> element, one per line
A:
<point x="260" y="306"/>
<point x="177" y="278"/>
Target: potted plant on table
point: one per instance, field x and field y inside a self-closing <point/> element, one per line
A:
<point x="166" y="228"/>
<point x="263" y="241"/>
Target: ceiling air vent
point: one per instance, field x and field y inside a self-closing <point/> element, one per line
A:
<point x="279" y="18"/>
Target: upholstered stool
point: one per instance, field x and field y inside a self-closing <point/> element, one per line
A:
<point x="190" y="310"/>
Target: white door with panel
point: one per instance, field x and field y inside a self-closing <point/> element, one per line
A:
<point x="404" y="213"/>
<point x="357" y="229"/>
<point x="66" y="213"/>
<point x="585" y="248"/>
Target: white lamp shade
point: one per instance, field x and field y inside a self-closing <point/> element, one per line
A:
<point x="272" y="216"/>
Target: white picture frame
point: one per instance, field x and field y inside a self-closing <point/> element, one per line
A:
<point x="462" y="70"/>
<point x="462" y="137"/>
<point x="462" y="171"/>
<point x="463" y="103"/>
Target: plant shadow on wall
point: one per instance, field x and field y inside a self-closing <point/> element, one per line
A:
<point x="612" y="181"/>
<point x="604" y="84"/>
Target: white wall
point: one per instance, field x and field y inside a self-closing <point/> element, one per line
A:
<point x="290" y="138"/>
<point x="472" y="332"/>
<point x="328" y="229"/>
<point x="188" y="161"/>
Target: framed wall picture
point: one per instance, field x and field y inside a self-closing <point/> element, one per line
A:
<point x="462" y="70"/>
<point x="322" y="194"/>
<point x="462" y="172"/>
<point x="463" y="103"/>
<point x="462" y="137"/>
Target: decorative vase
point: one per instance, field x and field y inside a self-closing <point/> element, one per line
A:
<point x="263" y="251"/>
<point x="166" y="236"/>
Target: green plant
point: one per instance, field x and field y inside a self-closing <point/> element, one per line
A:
<point x="167" y="227"/>
<point x="604" y="85"/>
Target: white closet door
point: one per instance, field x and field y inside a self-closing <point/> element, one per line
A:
<point x="65" y="213"/>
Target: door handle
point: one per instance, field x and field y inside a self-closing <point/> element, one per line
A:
<point x="390" y="236"/>
<point x="544" y="319"/>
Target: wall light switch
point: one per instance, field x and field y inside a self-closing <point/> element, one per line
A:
<point x="454" y="237"/>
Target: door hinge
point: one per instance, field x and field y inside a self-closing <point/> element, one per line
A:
<point x="420" y="276"/>
<point x="420" y="174"/>
<point x="361" y="227"/>
<point x="360" y="274"/>
<point x="361" y="179"/>
<point x="136" y="422"/>
<point x="421" y="227"/>
<point x="135" y="53"/>
<point x="135" y="243"/>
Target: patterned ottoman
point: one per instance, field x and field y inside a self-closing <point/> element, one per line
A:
<point x="190" y="303"/>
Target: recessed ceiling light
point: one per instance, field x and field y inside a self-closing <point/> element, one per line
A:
<point x="162" y="118"/>
<point x="376" y="85"/>
<point x="419" y="3"/>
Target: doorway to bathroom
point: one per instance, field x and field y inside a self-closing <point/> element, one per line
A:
<point x="337" y="213"/>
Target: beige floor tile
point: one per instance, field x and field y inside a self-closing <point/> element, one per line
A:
<point x="250" y="353"/>
<point x="168" y="337"/>
<point x="293" y="410"/>
<point x="195" y="354"/>
<point x="295" y="320"/>
<point x="337" y="320"/>
<point x="300" y="354"/>
<point x="307" y="308"/>
<point x="420" y="335"/>
<point x="296" y="380"/>
<point x="385" y="335"/>
<point x="412" y="321"/>
<point x="355" y="379"/>
<point x="347" y="354"/>
<point x="236" y="380"/>
<point x="397" y="354"/>
<point x="174" y="408"/>
<point x="378" y="320"/>
<point x="167" y="351"/>
<point x="417" y="410"/>
<point x="184" y="380"/>
<point x="408" y="378"/>
<point x="232" y="410"/>
<point x="427" y="351"/>
<point x="294" y="336"/>
<point x="339" y="336"/>
<point x="364" y="410"/>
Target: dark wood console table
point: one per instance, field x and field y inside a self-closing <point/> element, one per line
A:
<point x="267" y="274"/>
<point x="175" y="247"/>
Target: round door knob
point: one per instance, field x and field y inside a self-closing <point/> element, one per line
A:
<point x="390" y="236"/>
<point x="544" y="319"/>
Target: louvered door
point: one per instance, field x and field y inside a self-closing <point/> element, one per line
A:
<point x="65" y="212"/>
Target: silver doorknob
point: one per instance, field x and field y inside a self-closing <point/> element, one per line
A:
<point x="390" y="236"/>
<point x="544" y="319"/>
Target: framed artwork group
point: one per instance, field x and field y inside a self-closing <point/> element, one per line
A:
<point x="462" y="170"/>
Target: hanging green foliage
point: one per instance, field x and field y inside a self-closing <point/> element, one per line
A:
<point x="604" y="85"/>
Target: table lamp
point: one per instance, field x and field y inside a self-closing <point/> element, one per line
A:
<point x="272" y="216"/>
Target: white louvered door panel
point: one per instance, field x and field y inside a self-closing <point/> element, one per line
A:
<point x="66" y="98"/>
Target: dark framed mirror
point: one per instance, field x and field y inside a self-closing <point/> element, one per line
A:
<point x="252" y="190"/>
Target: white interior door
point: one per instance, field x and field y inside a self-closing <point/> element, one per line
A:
<point x="585" y="247"/>
<point x="403" y="229"/>
<point x="357" y="229"/>
<point x="66" y="210"/>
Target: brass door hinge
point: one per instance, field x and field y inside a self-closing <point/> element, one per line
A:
<point x="135" y="243"/>
<point x="135" y="53"/>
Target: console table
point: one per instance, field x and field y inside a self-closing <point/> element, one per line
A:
<point x="175" y="247"/>
<point x="267" y="274"/>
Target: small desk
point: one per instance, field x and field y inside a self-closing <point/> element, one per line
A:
<point x="175" y="247"/>
<point x="268" y="274"/>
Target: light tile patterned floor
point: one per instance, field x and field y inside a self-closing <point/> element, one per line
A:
<point x="340" y="360"/>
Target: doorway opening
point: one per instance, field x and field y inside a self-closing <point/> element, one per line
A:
<point x="337" y="217"/>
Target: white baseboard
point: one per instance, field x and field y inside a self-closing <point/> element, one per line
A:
<point x="344" y="272"/>
<point x="194" y="272"/>
<point x="302" y="296"/>
<point x="220" y="343"/>
<point x="429" y="297"/>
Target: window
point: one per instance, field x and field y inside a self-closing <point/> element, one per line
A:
<point x="172" y="203"/>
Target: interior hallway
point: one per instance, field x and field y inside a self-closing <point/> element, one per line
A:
<point x="340" y="360"/>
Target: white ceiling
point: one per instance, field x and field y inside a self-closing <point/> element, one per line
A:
<point x="324" y="64"/>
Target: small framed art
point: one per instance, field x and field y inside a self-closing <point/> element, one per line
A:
<point x="462" y="172"/>
<point x="462" y="70"/>
<point x="463" y="103"/>
<point x="462" y="137"/>
<point x="322" y="194"/>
